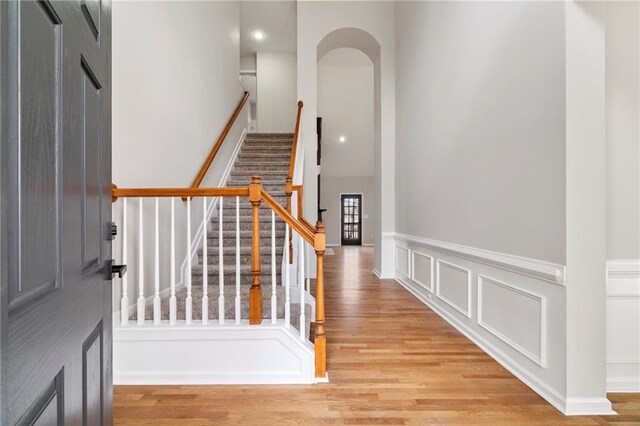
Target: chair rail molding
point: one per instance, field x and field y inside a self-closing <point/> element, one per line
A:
<point x="539" y="269"/>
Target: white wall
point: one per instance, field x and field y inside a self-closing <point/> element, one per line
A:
<point x="480" y="125"/>
<point x="316" y="20"/>
<point x="623" y="195"/>
<point x="277" y="103"/>
<point x="331" y="190"/>
<point x="175" y="85"/>
<point x="500" y="124"/>
<point x="345" y="103"/>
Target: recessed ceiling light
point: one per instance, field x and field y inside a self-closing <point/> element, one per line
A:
<point x="342" y="139"/>
<point x="258" y="35"/>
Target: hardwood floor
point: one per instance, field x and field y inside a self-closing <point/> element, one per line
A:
<point x="391" y="360"/>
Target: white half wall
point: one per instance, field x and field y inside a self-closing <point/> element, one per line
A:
<point x="277" y="103"/>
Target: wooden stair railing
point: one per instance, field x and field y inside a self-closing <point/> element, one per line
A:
<point x="256" y="194"/>
<point x="212" y="154"/>
<point x="288" y="187"/>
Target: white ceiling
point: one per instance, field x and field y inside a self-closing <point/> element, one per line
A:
<point x="345" y="103"/>
<point x="276" y="19"/>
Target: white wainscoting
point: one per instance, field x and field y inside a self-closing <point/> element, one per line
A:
<point x="505" y="310"/>
<point x="422" y="270"/>
<point x="623" y="326"/>
<point x="453" y="286"/>
<point x="511" y="307"/>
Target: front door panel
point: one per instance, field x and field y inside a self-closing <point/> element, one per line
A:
<point x="55" y="167"/>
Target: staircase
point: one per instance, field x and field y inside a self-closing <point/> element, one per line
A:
<point x="266" y="155"/>
<point x="161" y="339"/>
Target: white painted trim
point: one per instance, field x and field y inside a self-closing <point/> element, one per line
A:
<point x="413" y="270"/>
<point x="324" y="379"/>
<point x="551" y="395"/>
<point x="381" y="276"/>
<point x="626" y="385"/>
<point x="541" y="358"/>
<point x="230" y="363"/>
<point x="464" y="312"/>
<point x="628" y="269"/>
<point x="588" y="407"/>
<point x="408" y="265"/>
<point x="623" y="283"/>
<point x="547" y="271"/>
<point x="196" y="242"/>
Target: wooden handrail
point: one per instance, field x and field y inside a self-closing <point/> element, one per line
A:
<point x="287" y="217"/>
<point x="221" y="138"/>
<point x="177" y="192"/>
<point x="294" y="145"/>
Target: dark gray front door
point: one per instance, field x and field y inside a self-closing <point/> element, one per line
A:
<point x="55" y="310"/>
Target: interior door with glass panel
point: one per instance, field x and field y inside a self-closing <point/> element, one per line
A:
<point x="351" y="219"/>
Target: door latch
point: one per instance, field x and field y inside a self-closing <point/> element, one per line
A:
<point x="118" y="269"/>
<point x="111" y="270"/>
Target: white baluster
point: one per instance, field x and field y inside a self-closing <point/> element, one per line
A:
<point x="274" y="302"/>
<point x="301" y="286"/>
<point x="238" y="311"/>
<point x="205" y="277"/>
<point x="188" y="301"/>
<point x="221" y="268"/>
<point x="156" y="275"/>
<point x="124" y="302"/>
<point x="140" y="266"/>
<point x="172" y="299"/>
<point x="287" y="302"/>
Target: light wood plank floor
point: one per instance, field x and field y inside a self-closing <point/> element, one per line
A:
<point x="391" y="361"/>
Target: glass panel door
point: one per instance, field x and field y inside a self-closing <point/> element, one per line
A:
<point x="351" y="219"/>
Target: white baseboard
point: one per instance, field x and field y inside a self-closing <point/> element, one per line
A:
<point x="215" y="354"/>
<point x="381" y="276"/>
<point x="588" y="407"/>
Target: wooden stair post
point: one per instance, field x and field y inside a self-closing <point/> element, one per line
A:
<point x="288" y="190"/>
<point x="255" y="293"/>
<point x="320" y="340"/>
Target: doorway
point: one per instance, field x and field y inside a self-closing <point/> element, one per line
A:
<point x="351" y="219"/>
